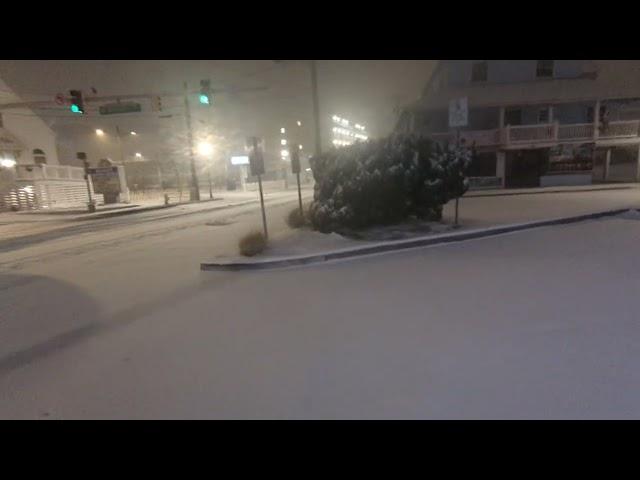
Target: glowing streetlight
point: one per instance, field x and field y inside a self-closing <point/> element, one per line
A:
<point x="138" y="155"/>
<point x="283" y="142"/>
<point x="282" y="130"/>
<point x="134" y="133"/>
<point x="99" y="132"/>
<point x="205" y="148"/>
<point x="299" y="123"/>
<point x="7" y="163"/>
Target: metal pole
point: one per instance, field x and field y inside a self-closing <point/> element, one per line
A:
<point x="194" y="194"/>
<point x="264" y="216"/>
<point x="209" y="178"/>
<point x="316" y="106"/>
<point x="457" y="198"/>
<point x="299" y="193"/>
<point x="120" y="144"/>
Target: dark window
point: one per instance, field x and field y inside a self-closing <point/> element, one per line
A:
<point x="479" y="71"/>
<point x="544" y="69"/>
<point x="39" y="157"/>
<point x="482" y="165"/>
<point x="513" y="116"/>
<point x="543" y="115"/>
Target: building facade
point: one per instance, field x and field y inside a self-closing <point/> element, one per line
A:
<point x="30" y="173"/>
<point x="537" y="122"/>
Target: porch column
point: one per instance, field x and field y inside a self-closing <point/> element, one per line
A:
<point x="551" y="114"/>
<point x="607" y="163"/>
<point x="500" y="166"/>
<point x="638" y="165"/>
<point x="596" y="119"/>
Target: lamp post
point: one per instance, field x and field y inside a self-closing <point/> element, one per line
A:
<point x="205" y="149"/>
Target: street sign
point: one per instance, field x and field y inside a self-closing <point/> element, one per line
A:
<point x="59" y="99"/>
<point x="240" y="160"/>
<point x="295" y="160"/>
<point x="458" y="112"/>
<point x="124" y="107"/>
<point x="256" y="160"/>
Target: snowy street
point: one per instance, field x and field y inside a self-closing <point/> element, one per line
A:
<point x="119" y="323"/>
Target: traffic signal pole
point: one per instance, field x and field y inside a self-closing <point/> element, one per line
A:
<point x="316" y="106"/>
<point x="194" y="193"/>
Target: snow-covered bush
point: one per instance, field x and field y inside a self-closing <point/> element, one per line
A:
<point x="252" y="244"/>
<point x="385" y="181"/>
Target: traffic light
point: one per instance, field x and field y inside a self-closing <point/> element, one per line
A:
<point x="156" y="104"/>
<point x="205" y="92"/>
<point x="77" y="102"/>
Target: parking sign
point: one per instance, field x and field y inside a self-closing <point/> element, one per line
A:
<point x="458" y="112"/>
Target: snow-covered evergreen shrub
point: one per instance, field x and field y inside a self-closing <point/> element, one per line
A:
<point x="385" y="181"/>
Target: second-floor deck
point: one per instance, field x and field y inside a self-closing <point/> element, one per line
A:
<point x="546" y="134"/>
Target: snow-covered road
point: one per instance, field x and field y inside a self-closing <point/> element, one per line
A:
<point x="537" y="324"/>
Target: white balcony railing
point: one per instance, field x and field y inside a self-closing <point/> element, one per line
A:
<point x="578" y="131"/>
<point x="49" y="172"/>
<point x="531" y="133"/>
<point x="545" y="133"/>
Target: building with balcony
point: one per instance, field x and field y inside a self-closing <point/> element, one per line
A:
<point x="537" y="122"/>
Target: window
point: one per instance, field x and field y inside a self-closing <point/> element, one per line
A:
<point x="544" y="69"/>
<point x="543" y="115"/>
<point x="479" y="71"/>
<point x="39" y="157"/>
<point x="513" y="116"/>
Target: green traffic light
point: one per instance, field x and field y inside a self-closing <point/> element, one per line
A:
<point x="75" y="108"/>
<point x="204" y="99"/>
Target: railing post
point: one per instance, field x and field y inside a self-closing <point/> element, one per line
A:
<point x="507" y="135"/>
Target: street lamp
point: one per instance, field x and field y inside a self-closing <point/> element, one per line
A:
<point x="7" y="163"/>
<point x="138" y="155"/>
<point x="99" y="132"/>
<point x="134" y="133"/>
<point x="205" y="149"/>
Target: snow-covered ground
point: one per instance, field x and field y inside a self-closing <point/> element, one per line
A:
<point x="538" y="324"/>
<point x="119" y="322"/>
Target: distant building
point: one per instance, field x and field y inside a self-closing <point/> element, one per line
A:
<point x="30" y="174"/>
<point x="538" y="122"/>
<point x="345" y="132"/>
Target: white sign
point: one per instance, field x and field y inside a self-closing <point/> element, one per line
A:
<point x="240" y="160"/>
<point x="458" y="112"/>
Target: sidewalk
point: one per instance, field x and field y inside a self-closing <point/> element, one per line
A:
<point x="495" y="192"/>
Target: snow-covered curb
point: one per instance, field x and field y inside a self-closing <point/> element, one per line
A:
<point x="390" y="246"/>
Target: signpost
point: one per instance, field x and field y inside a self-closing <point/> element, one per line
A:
<point x="294" y="154"/>
<point x="458" y="117"/>
<point x="124" y="107"/>
<point x="83" y="156"/>
<point x="256" y="163"/>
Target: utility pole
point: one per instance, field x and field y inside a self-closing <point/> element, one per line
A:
<point x="120" y="144"/>
<point x="316" y="106"/>
<point x="194" y="193"/>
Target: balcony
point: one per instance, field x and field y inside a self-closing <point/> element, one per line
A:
<point x="543" y="134"/>
<point x="49" y="172"/>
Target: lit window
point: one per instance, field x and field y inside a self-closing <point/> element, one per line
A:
<point x="283" y="142"/>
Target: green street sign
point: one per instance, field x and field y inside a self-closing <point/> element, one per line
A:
<point x="125" y="107"/>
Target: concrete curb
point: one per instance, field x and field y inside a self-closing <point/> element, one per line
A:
<point x="479" y="194"/>
<point x="403" y="244"/>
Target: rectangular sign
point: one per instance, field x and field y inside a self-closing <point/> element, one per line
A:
<point x="240" y="160"/>
<point x="295" y="161"/>
<point x="458" y="112"/>
<point x="124" y="107"/>
<point x="105" y="180"/>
